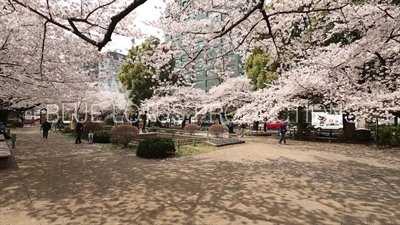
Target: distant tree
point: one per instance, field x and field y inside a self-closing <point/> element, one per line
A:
<point x="137" y="76"/>
<point x="259" y="68"/>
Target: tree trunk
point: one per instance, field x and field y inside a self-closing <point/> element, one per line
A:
<point x="255" y="125"/>
<point x="300" y="122"/>
<point x="396" y="121"/>
<point x="4" y="116"/>
<point x="349" y="129"/>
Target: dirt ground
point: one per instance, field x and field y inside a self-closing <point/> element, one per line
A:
<point x="55" y="181"/>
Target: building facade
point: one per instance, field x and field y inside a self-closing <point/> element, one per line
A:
<point x="205" y="77"/>
<point x="108" y="71"/>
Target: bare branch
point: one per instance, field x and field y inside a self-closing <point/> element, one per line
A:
<point x="266" y="18"/>
<point x="42" y="50"/>
<point x="99" y="7"/>
<point x="110" y="28"/>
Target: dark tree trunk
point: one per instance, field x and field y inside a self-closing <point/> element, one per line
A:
<point x="184" y="122"/>
<point x="158" y="122"/>
<point x="190" y="119"/>
<point x="396" y="121"/>
<point x="349" y="128"/>
<point x="300" y="121"/>
<point x="255" y="125"/>
<point x="4" y="116"/>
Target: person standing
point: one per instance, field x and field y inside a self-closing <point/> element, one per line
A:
<point x="46" y="126"/>
<point x="79" y="130"/>
<point x="90" y="137"/>
<point x="282" y="132"/>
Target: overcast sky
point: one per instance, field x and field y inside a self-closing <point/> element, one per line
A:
<point x="145" y="12"/>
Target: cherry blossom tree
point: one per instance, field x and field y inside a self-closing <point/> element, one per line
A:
<point x="329" y="51"/>
<point x="175" y="102"/>
<point x="39" y="64"/>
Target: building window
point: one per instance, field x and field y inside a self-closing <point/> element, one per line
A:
<point x="199" y="65"/>
<point x="200" y="44"/>
<point x="201" y="74"/>
<point x="200" y="16"/>
<point x="212" y="82"/>
<point x="200" y="84"/>
<point x="211" y="62"/>
<point x="223" y="16"/>
<point x="184" y="58"/>
<point x="210" y="73"/>
<point x="231" y="67"/>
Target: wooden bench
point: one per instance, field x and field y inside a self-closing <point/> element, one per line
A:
<point x="5" y="153"/>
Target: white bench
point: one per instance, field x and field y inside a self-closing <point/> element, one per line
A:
<point x="5" y="153"/>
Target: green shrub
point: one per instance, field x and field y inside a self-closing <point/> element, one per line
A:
<point x="17" y="124"/>
<point x="102" y="136"/>
<point x="388" y="136"/>
<point x="363" y="135"/>
<point x="109" y="121"/>
<point x="153" y="129"/>
<point x="123" y="134"/>
<point x="156" y="148"/>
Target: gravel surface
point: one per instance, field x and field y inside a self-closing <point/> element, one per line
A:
<point x="55" y="181"/>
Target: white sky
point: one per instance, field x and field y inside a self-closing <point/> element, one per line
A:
<point x="145" y="12"/>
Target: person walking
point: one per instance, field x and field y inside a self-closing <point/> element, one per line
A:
<point x="282" y="132"/>
<point x="79" y="129"/>
<point x="4" y="131"/>
<point x="46" y="126"/>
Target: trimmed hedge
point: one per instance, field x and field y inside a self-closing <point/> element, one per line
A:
<point x="17" y="124"/>
<point x="388" y="136"/>
<point x="156" y="148"/>
<point x="123" y="134"/>
<point x="191" y="128"/>
<point x="102" y="136"/>
<point x="217" y="130"/>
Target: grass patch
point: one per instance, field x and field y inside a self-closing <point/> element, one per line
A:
<point x="189" y="150"/>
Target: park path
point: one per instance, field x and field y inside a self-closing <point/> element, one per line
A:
<point x="58" y="182"/>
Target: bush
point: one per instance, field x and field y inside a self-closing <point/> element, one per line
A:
<point x="67" y="129"/>
<point x="389" y="136"/>
<point x="91" y="126"/>
<point x="363" y="135"/>
<point x="191" y="128"/>
<point x="109" y="121"/>
<point x="102" y="136"/>
<point x="153" y="129"/>
<point x="217" y="130"/>
<point x="16" y="124"/>
<point x="123" y="134"/>
<point x="156" y="148"/>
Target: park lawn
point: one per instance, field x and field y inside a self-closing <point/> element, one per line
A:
<point x="189" y="150"/>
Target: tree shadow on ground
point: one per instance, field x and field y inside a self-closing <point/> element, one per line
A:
<point x="72" y="184"/>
